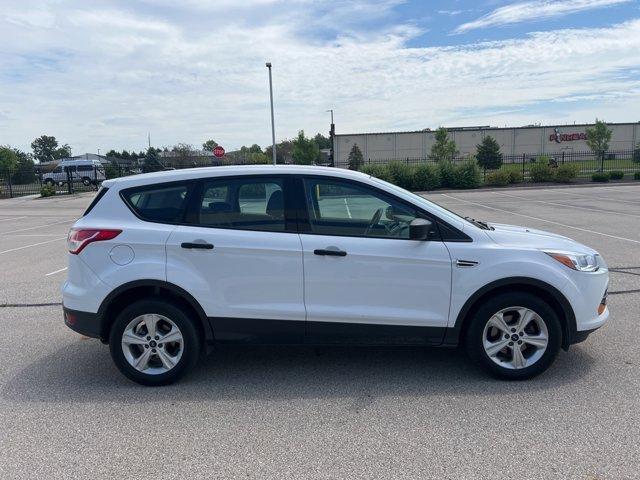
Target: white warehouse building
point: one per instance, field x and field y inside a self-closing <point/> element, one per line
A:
<point x="514" y="141"/>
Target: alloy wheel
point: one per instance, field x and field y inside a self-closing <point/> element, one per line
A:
<point x="152" y="344"/>
<point x="515" y="337"/>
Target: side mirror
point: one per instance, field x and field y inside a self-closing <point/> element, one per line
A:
<point x="420" y="229"/>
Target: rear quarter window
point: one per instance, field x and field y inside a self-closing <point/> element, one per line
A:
<point x="158" y="203"/>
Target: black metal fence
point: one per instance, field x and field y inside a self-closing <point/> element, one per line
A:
<point x="588" y="161"/>
<point x="30" y="181"/>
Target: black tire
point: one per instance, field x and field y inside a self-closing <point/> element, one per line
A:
<point x="86" y="181"/>
<point x="473" y="340"/>
<point x="49" y="182"/>
<point x="191" y="341"/>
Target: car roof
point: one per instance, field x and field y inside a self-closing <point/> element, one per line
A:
<point x="203" y="172"/>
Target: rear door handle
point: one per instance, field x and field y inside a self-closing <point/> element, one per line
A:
<point x="205" y="246"/>
<point x="334" y="252"/>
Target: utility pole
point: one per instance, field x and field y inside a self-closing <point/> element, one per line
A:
<point x="332" y="132"/>
<point x="273" y="128"/>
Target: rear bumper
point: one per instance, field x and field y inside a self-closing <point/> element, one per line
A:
<point x="85" y="323"/>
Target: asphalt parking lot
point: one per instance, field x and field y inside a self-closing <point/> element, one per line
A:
<point x="65" y="411"/>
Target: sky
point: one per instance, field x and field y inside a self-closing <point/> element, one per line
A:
<point x="104" y="74"/>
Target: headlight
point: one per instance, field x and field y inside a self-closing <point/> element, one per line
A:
<point x="583" y="262"/>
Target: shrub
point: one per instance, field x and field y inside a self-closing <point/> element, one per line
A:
<point x="541" y="171"/>
<point x="425" y="177"/>
<point x="488" y="154"/>
<point x="498" y="178"/>
<point x="401" y="173"/>
<point x="467" y="175"/>
<point x="355" y="158"/>
<point x="636" y="176"/>
<point x="378" y="171"/>
<point x="616" y="174"/>
<point x="447" y="173"/>
<point x="600" y="177"/>
<point x="515" y="176"/>
<point x="567" y="172"/>
<point x="47" y="191"/>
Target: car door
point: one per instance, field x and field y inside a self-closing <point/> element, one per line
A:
<point x="240" y="256"/>
<point x="365" y="281"/>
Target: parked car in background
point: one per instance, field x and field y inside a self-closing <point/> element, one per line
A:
<point x="89" y="172"/>
<point x="163" y="266"/>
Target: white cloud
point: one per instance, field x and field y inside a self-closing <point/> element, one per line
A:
<point x="533" y="10"/>
<point x="102" y="77"/>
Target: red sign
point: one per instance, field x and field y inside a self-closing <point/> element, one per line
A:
<point x="566" y="137"/>
<point x="218" y="152"/>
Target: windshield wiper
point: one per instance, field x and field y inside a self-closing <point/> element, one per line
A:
<point x="479" y="223"/>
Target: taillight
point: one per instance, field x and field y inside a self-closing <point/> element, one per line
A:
<point x="81" y="237"/>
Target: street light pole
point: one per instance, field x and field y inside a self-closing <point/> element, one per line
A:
<point x="332" y="132"/>
<point x="273" y="128"/>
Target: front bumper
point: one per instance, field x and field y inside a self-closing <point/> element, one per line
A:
<point x="85" y="323"/>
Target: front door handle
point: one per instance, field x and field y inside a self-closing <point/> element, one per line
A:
<point x="334" y="252"/>
<point x="205" y="245"/>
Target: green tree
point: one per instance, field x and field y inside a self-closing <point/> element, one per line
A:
<point x="63" y="152"/>
<point x="356" y="160"/>
<point x="322" y="141"/>
<point x="284" y="151"/>
<point x="598" y="139"/>
<point x="45" y="149"/>
<point x="151" y="161"/>
<point x="488" y="154"/>
<point x="112" y="154"/>
<point x="25" y="172"/>
<point x="305" y="150"/>
<point x="444" y="149"/>
<point x="8" y="159"/>
<point x="209" y="145"/>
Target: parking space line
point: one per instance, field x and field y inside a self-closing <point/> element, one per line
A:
<point x="591" y="209"/>
<point x="32" y="245"/>
<point x="34" y="234"/>
<point x="8" y="219"/>
<point x="56" y="271"/>
<point x="544" y="220"/>
<point x="600" y="198"/>
<point x="37" y="226"/>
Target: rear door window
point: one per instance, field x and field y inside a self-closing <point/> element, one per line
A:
<point x="243" y="203"/>
<point x="160" y="203"/>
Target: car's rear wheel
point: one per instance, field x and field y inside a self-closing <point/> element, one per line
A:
<point x="514" y="336"/>
<point x="49" y="182"/>
<point x="153" y="342"/>
<point x="86" y="181"/>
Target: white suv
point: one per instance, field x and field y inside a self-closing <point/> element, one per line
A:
<point x="164" y="266"/>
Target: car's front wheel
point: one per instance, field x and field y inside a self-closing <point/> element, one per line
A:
<point x="153" y="342"/>
<point x="514" y="336"/>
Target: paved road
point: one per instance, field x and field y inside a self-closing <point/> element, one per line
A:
<point x="65" y="412"/>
